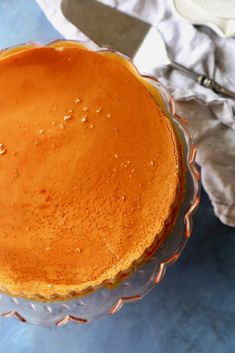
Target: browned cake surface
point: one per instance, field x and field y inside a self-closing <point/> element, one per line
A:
<point x="89" y="170"/>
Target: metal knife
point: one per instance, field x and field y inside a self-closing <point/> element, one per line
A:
<point x="108" y="27"/>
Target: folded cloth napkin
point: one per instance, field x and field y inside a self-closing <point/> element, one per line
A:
<point x="212" y="118"/>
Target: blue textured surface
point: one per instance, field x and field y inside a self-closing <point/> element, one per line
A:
<point x="191" y="311"/>
<point x="22" y="21"/>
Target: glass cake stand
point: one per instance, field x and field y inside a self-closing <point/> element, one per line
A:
<point x="107" y="301"/>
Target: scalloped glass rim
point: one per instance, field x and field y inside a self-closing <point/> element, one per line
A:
<point x="106" y="301"/>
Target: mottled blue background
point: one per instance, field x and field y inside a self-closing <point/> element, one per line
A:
<point x="192" y="310"/>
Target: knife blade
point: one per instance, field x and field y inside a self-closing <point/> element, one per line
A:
<point x="89" y="15"/>
<point x="109" y="27"/>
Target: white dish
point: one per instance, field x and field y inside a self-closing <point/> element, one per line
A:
<point x="219" y="15"/>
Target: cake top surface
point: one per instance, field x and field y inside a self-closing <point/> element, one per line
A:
<point x="89" y="170"/>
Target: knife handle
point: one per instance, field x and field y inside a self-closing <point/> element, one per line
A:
<point x="203" y="80"/>
<point x="216" y="87"/>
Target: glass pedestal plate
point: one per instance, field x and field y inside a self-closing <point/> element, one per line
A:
<point x="106" y="301"/>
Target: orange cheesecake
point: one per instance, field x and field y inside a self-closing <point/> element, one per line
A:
<point x="90" y="171"/>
